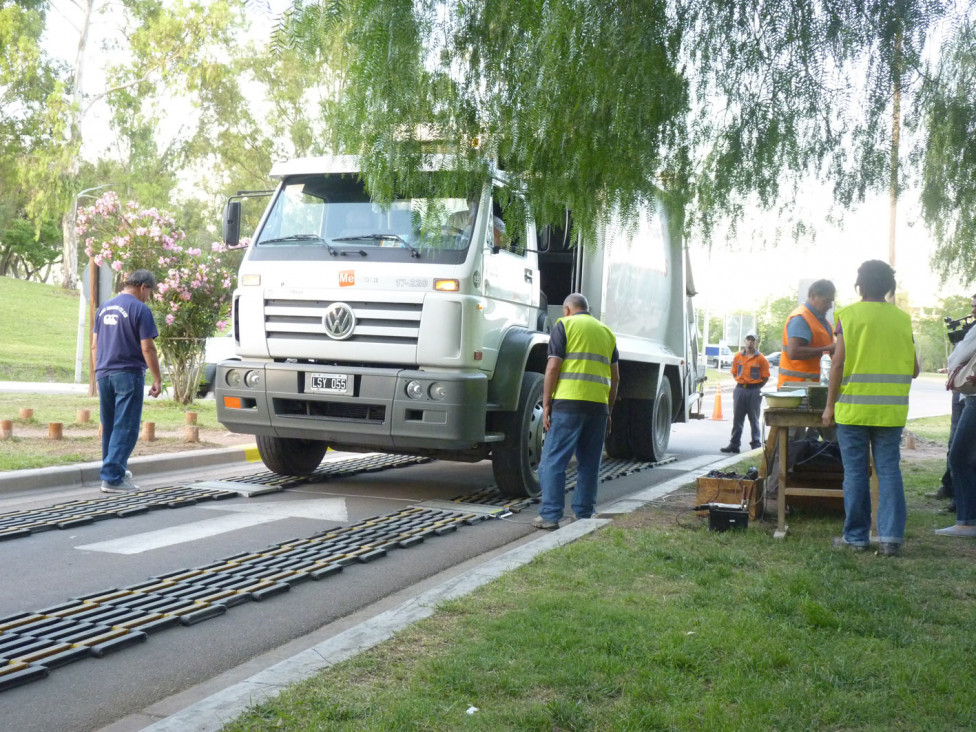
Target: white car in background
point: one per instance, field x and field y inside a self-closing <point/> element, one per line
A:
<point x="219" y="348"/>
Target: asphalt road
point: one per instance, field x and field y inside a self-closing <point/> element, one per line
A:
<point x="49" y="568"/>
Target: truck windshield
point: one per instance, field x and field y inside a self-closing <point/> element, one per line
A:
<point x="331" y="216"/>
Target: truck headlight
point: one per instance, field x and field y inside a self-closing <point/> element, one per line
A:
<point x="415" y="390"/>
<point x="234" y="378"/>
<point x="252" y="379"/>
<point x="438" y="391"/>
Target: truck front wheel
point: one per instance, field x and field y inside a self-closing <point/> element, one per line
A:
<point x="290" y="456"/>
<point x="515" y="460"/>
<point x="650" y="424"/>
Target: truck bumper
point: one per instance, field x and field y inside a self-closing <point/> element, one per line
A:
<point x="374" y="411"/>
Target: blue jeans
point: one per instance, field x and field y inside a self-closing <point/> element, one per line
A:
<point x="885" y="444"/>
<point x="745" y="403"/>
<point x="962" y="464"/>
<point x="120" y="399"/>
<point x="571" y="433"/>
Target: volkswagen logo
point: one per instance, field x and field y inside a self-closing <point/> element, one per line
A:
<point x="339" y="321"/>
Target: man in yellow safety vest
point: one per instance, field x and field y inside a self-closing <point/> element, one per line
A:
<point x="580" y="389"/>
<point x="870" y="376"/>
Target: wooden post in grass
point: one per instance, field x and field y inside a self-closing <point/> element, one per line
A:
<point x="83" y="416"/>
<point x="191" y="417"/>
<point x="55" y="430"/>
<point x="6" y="429"/>
<point x="148" y="431"/>
<point x="191" y="433"/>
<point x="26" y="413"/>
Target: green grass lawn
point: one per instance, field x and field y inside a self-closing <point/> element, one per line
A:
<point x="655" y="623"/>
<point x="38" y="332"/>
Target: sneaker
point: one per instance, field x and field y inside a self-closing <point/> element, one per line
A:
<point x="755" y="445"/>
<point x="951" y="508"/>
<point x="889" y="549"/>
<point x="962" y="531"/>
<point x="841" y="543"/>
<point x="126" y="486"/>
<point x="545" y="524"/>
<point x="729" y="448"/>
<point x="940" y="494"/>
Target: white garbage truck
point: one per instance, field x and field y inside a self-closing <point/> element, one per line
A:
<point x="419" y="326"/>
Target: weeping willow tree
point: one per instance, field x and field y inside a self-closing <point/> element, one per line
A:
<point x="711" y="105"/>
<point x="948" y="155"/>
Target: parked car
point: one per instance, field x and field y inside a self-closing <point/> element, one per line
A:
<point x="219" y="348"/>
<point x="773" y="358"/>
<point x="719" y="357"/>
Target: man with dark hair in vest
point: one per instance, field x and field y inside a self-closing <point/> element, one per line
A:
<point x="807" y="336"/>
<point x="579" y="391"/>
<point x="870" y="376"/>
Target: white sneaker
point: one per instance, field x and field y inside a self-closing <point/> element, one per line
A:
<point x="126" y="486"/>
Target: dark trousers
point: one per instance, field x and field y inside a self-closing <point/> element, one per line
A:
<point x="958" y="402"/>
<point x="745" y="403"/>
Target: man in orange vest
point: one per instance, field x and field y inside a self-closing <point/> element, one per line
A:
<point x="807" y="335"/>
<point x="751" y="371"/>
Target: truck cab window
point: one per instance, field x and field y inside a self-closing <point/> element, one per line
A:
<point x="333" y="216"/>
<point x="509" y="241"/>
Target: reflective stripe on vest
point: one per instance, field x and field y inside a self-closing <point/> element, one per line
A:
<point x="879" y="359"/>
<point x="585" y="371"/>
<point x="807" y="369"/>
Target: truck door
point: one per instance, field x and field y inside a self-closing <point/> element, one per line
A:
<point x="511" y="272"/>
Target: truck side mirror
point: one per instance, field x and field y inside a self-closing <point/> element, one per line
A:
<point x="232" y="223"/>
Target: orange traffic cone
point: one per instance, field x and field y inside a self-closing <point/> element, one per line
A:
<point x="717" y="409"/>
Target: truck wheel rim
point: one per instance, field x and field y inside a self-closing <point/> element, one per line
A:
<point x="536" y="437"/>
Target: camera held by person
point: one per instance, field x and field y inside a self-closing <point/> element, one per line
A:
<point x="958" y="328"/>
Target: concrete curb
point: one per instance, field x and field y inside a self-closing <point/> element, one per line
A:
<point x="86" y="474"/>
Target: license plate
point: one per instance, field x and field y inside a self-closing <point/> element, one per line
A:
<point x="329" y="383"/>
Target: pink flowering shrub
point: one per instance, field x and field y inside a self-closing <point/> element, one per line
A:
<point x="194" y="286"/>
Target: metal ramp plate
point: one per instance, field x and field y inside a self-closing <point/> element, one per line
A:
<point x="475" y="508"/>
<point x="245" y="489"/>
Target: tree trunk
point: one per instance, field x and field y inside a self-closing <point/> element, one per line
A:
<point x="895" y="139"/>
<point x="69" y="263"/>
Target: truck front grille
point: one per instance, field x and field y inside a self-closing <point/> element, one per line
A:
<point x="376" y="322"/>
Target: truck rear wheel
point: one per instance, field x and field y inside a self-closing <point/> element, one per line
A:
<point x="291" y="456"/>
<point x="618" y="440"/>
<point x="515" y="460"/>
<point x="650" y="424"/>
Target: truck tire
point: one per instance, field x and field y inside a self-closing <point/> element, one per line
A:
<point x="618" y="440"/>
<point x="515" y="460"/>
<point x="650" y="424"/>
<point x="289" y="455"/>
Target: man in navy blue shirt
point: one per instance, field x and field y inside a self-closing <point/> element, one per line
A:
<point x="122" y="340"/>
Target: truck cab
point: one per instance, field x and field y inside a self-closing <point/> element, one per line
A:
<point x="420" y="325"/>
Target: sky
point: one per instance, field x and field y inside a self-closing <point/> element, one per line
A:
<point x="741" y="274"/>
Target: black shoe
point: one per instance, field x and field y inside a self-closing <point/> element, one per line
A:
<point x="889" y="549"/>
<point x="940" y="494"/>
<point x="951" y="508"/>
<point x="729" y="448"/>
<point x="754" y="445"/>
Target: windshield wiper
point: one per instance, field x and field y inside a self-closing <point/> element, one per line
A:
<point x="414" y="252"/>
<point x="299" y="237"/>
